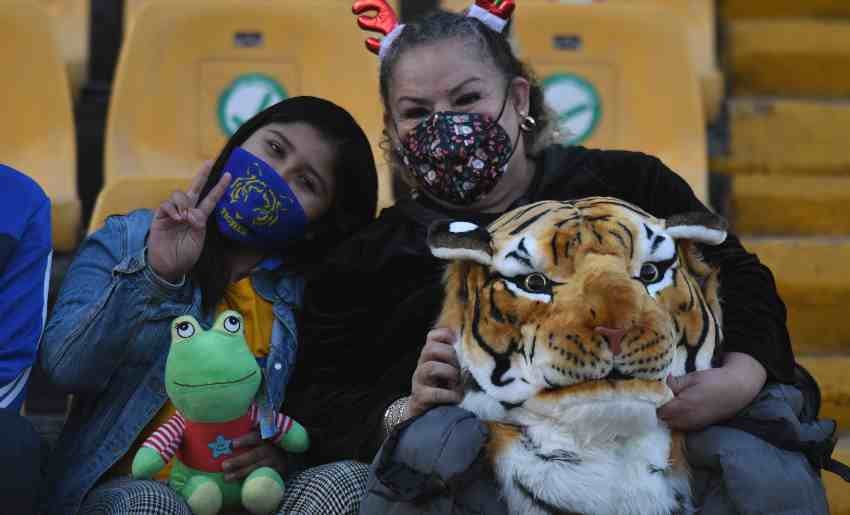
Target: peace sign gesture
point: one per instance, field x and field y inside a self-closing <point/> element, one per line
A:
<point x="180" y="226"/>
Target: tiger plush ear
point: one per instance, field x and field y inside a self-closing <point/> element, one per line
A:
<point x="463" y="241"/>
<point x="703" y="227"/>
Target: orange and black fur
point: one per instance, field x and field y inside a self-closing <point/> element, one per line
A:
<point x="570" y="317"/>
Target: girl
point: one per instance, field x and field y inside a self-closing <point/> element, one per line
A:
<point x="291" y="181"/>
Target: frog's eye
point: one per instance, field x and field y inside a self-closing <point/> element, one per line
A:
<point x="232" y="324"/>
<point x="185" y="330"/>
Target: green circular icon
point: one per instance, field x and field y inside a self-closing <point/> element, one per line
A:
<point x="577" y="104"/>
<point x="246" y="96"/>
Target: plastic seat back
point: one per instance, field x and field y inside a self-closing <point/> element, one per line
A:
<point x="698" y="18"/>
<point x="69" y="20"/>
<point x="38" y="134"/>
<point x="191" y="71"/>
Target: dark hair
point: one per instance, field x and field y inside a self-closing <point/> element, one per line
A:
<point x="443" y="25"/>
<point x="355" y="194"/>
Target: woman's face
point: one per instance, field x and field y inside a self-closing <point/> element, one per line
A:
<point x="303" y="157"/>
<point x="453" y="75"/>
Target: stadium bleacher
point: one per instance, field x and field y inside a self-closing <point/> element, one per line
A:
<point x="635" y="74"/>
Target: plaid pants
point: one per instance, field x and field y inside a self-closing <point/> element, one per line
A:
<point x="332" y="489"/>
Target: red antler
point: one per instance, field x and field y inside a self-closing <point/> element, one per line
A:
<point x="503" y="10"/>
<point x="383" y="22"/>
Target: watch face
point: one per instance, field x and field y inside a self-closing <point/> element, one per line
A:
<point x="394" y="414"/>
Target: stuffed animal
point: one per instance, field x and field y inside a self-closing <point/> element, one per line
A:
<point x="570" y="317"/>
<point x="212" y="379"/>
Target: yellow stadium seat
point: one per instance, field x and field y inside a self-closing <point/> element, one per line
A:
<point x="190" y="71"/>
<point x="128" y="193"/>
<point x="619" y="77"/>
<point x="697" y="15"/>
<point x="131" y="7"/>
<point x="38" y="130"/>
<point x="69" y="20"/>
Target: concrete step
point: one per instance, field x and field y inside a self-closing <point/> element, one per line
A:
<point x="813" y="278"/>
<point x="786" y="205"/>
<point x="796" y="56"/>
<point x="837" y="490"/>
<point x="831" y="372"/>
<point x="787" y="137"/>
<point x="735" y="9"/>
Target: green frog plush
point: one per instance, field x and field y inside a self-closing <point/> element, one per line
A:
<point x="212" y="379"/>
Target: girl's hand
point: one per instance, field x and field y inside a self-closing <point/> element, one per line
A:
<point x="180" y="225"/>
<point x="436" y="379"/>
<point x="262" y="454"/>
<point x="709" y="396"/>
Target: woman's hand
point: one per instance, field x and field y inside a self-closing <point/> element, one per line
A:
<point x="262" y="453"/>
<point x="436" y="379"/>
<point x="710" y="396"/>
<point x="179" y="227"/>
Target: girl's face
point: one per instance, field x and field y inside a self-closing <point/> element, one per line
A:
<point x="303" y="157"/>
<point x="452" y="75"/>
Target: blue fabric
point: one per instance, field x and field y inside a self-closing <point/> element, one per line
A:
<point x="258" y="208"/>
<point x="25" y="257"/>
<point x="21" y="451"/>
<point x="107" y="343"/>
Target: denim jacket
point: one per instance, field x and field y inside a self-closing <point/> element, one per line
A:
<point x="107" y="343"/>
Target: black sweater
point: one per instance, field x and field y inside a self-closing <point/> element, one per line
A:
<point x="366" y="315"/>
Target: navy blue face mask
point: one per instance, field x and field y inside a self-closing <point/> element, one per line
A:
<point x="259" y="208"/>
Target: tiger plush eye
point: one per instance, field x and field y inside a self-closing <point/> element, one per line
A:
<point x="536" y="282"/>
<point x="649" y="273"/>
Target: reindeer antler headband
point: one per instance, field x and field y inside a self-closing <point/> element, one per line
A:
<point x="493" y="13"/>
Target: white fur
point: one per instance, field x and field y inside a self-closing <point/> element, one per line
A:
<point x="478" y="256"/>
<point x="483" y="405"/>
<point x="614" y="434"/>
<point x="510" y="267"/>
<point x="537" y="297"/>
<point x="697" y="233"/>
<point x="486" y="17"/>
<point x="514" y="392"/>
<point x="461" y="227"/>
<point x="656" y="288"/>
<point x="706" y="350"/>
<point x="644" y="254"/>
<point x="680" y="356"/>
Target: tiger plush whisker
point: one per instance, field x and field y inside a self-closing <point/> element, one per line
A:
<point x="568" y="327"/>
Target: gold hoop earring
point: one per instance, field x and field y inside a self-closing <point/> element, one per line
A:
<point x="528" y="124"/>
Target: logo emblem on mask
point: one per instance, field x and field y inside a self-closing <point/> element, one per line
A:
<point x="271" y="205"/>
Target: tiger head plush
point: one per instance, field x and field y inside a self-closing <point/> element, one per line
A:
<point x="570" y="316"/>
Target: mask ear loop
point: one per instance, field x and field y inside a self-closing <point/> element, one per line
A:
<point x="400" y="150"/>
<point x="518" y="132"/>
<point x="495" y="121"/>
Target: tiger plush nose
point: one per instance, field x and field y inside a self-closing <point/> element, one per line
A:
<point x="613" y="337"/>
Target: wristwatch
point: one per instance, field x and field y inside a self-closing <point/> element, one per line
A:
<point x="395" y="413"/>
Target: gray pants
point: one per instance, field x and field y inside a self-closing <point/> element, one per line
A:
<point x="332" y="489"/>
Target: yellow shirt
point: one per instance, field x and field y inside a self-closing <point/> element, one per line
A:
<point x="259" y="319"/>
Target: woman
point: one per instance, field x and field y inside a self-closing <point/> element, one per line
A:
<point x="363" y="366"/>
<point x="109" y="335"/>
